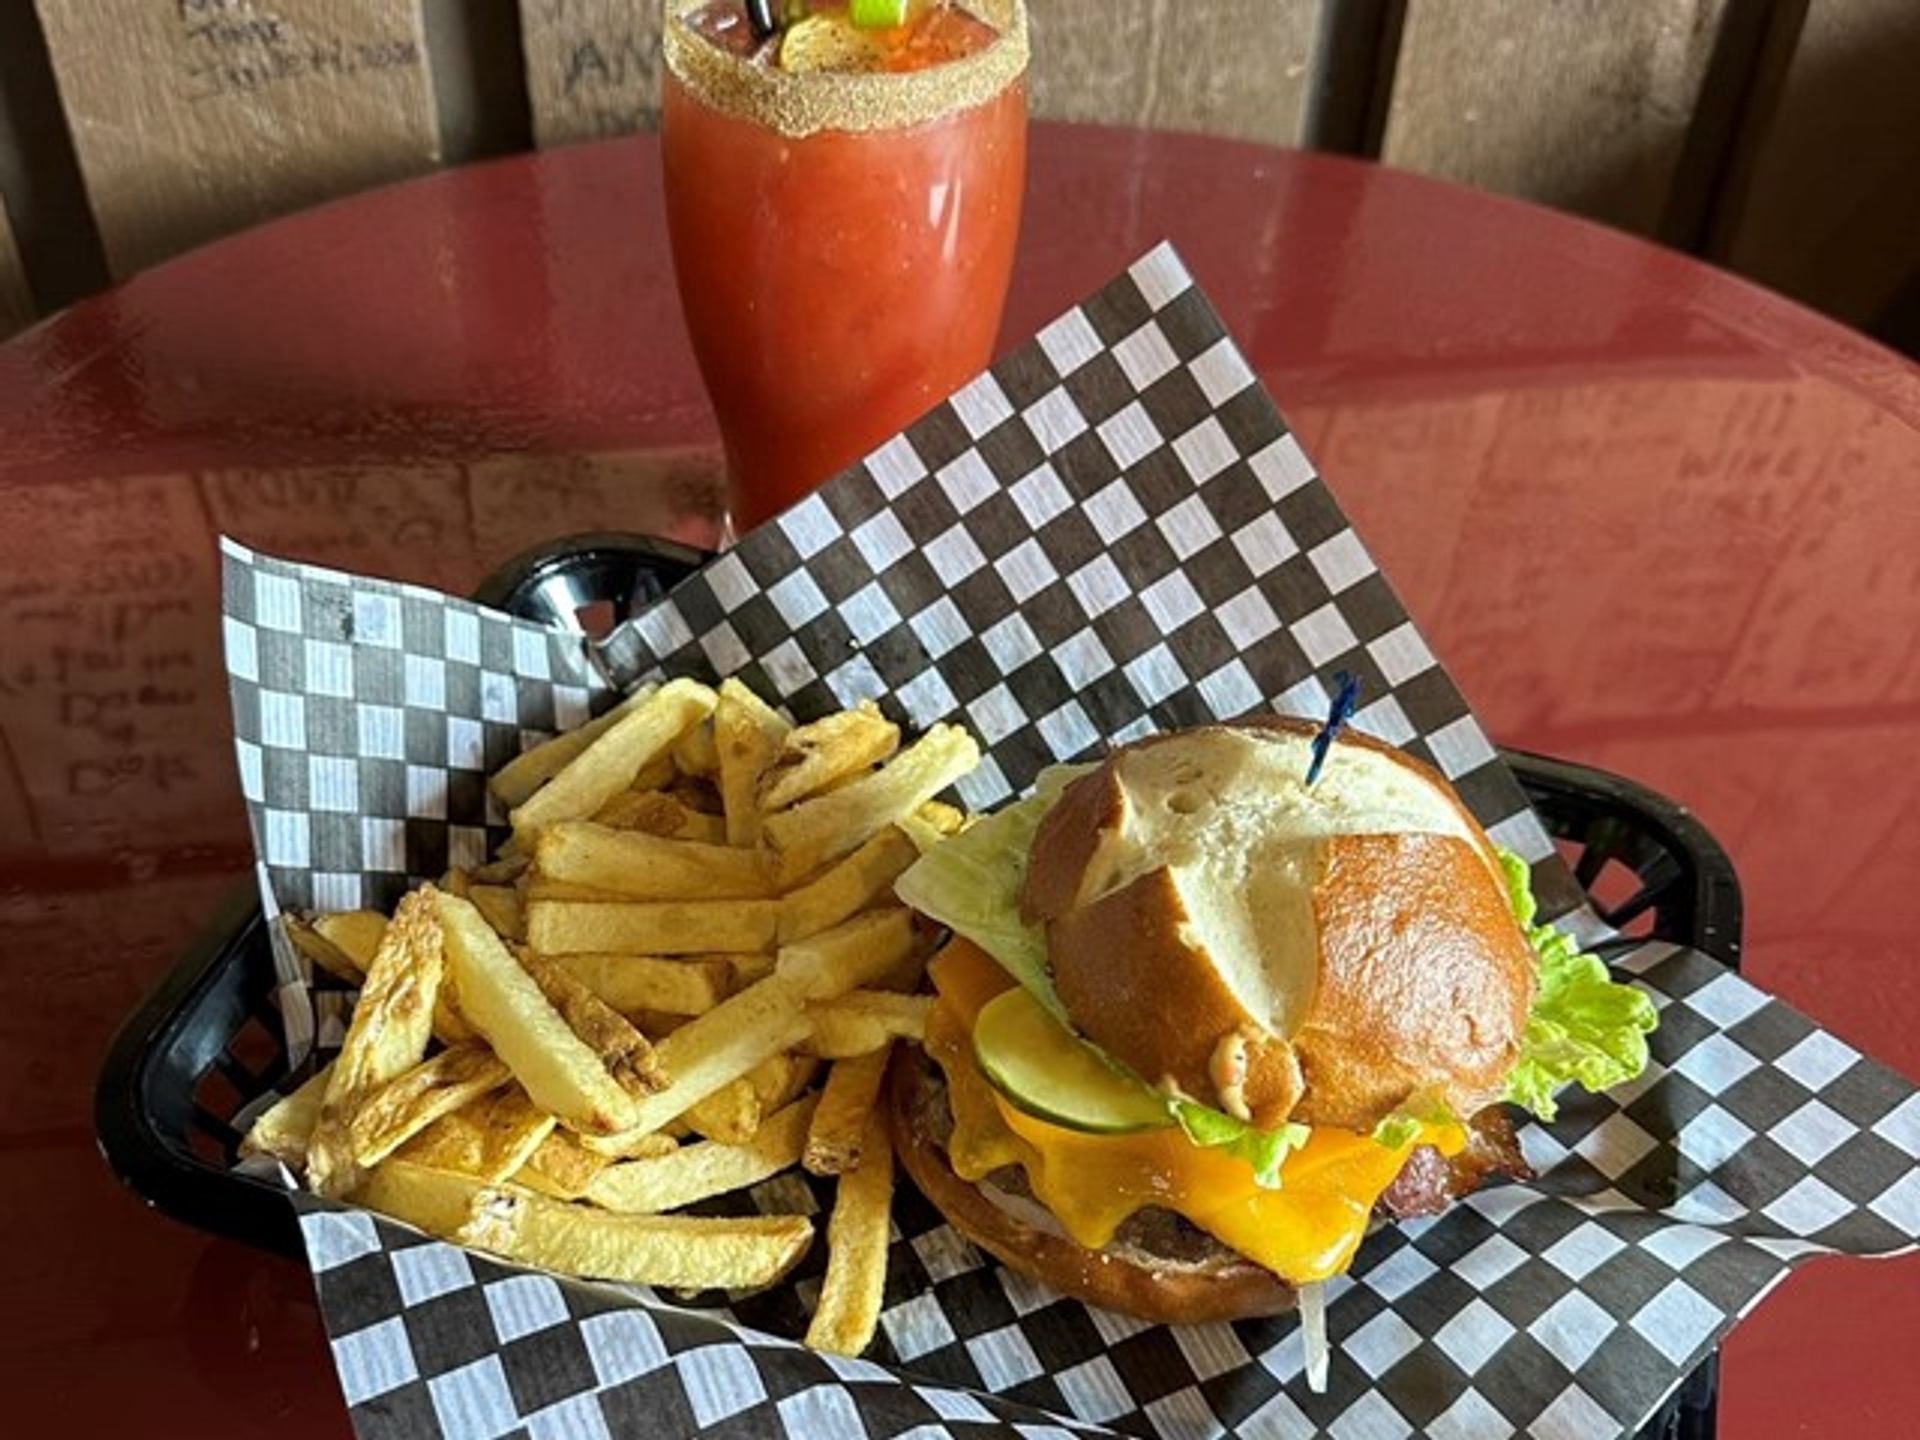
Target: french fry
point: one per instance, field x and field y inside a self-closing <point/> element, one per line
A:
<point x="487" y="1139"/>
<point x="513" y="784"/>
<point x="631" y="983"/>
<point x="853" y="953"/>
<point x="906" y="978"/>
<point x="923" y="834"/>
<point x="850" y="1096"/>
<point x="864" y="1021"/>
<point x="815" y="756"/>
<point x="540" y="1185"/>
<point x="727" y="1041"/>
<point x="560" y="1072"/>
<point x="680" y="1252"/>
<point x="388" y="1034"/>
<point x="500" y="905"/>
<point x="747" y="734"/>
<point x="842" y="782"/>
<point x="647" y="867"/>
<point x="818" y="831"/>
<point x="652" y="812"/>
<point x="284" y="1128"/>
<point x="626" y="1053"/>
<point x="730" y="1115"/>
<point x="947" y="819"/>
<point x="355" y="933"/>
<point x="734" y="1113"/>
<point x="322" y="952"/>
<point x="657" y="773"/>
<point x="749" y="968"/>
<point x="666" y="927"/>
<point x="695" y="1172"/>
<point x="654" y="1024"/>
<point x="623" y="807"/>
<point x="849" y="887"/>
<point x="562" y="1166"/>
<point x="502" y="871"/>
<point x="535" y="886"/>
<point x="713" y="1049"/>
<point x="659" y="1144"/>
<point x="779" y="1079"/>
<point x="694" y="753"/>
<point x="699" y="797"/>
<point x="637" y="995"/>
<point x="408" y="1103"/>
<point x="608" y="765"/>
<point x="514" y="1127"/>
<point x="435" y="1201"/>
<point x="856" y="1279"/>
<point x="450" y="1027"/>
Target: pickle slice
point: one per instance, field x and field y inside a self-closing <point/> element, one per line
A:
<point x="1039" y="1065"/>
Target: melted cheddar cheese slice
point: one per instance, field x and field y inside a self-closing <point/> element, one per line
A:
<point x="1306" y="1230"/>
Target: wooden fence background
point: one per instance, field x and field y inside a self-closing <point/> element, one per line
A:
<point x="1779" y="137"/>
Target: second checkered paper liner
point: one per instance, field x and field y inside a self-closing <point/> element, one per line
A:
<point x="1110" y="533"/>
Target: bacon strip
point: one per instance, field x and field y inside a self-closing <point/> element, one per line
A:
<point x="1429" y="1181"/>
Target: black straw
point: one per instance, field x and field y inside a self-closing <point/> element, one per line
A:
<point x="1338" y="713"/>
<point x="760" y="17"/>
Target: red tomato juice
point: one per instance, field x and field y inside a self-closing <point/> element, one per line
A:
<point x="837" y="284"/>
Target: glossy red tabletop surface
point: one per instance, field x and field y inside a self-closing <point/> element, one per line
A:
<point x="1653" y="518"/>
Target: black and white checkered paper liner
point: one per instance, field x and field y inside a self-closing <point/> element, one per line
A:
<point x="1109" y="533"/>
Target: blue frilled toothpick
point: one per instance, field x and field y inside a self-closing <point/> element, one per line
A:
<point x="1338" y="713"/>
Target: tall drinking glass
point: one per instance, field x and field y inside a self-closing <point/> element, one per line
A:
<point x="842" y="237"/>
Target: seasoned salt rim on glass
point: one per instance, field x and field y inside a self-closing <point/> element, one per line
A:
<point x="798" y="105"/>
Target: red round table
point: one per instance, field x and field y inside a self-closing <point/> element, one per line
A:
<point x="1654" y="519"/>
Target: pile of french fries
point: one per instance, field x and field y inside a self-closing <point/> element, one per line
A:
<point x="681" y="976"/>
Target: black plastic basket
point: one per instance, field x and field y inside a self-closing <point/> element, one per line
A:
<point x="208" y="1041"/>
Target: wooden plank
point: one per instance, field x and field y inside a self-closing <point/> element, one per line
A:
<point x="528" y="499"/>
<point x="397" y="519"/>
<point x="1582" y="104"/>
<point x="194" y="118"/>
<point x="108" y="678"/>
<point x="16" y="300"/>
<point x="1825" y="204"/>
<point x="593" y="67"/>
<point x="1229" y="67"/>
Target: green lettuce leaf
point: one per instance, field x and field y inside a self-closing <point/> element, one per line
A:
<point x="1263" y="1150"/>
<point x="1585" y="1026"/>
<point x="1396" y="1130"/>
<point x="971" y="883"/>
<point x="1405" y="1123"/>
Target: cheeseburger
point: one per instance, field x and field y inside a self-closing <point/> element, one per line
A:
<point x="1202" y="1022"/>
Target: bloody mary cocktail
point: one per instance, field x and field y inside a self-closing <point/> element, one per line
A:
<point x="843" y="207"/>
